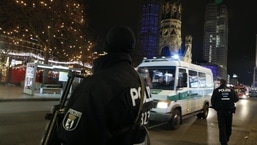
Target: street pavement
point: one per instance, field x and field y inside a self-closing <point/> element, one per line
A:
<point x="15" y="93"/>
<point x="9" y="92"/>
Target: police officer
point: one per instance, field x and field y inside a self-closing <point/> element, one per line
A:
<point x="103" y="109"/>
<point x="223" y="101"/>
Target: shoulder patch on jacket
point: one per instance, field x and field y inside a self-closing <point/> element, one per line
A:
<point x="71" y="120"/>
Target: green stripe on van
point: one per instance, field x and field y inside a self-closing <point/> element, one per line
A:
<point x="155" y="91"/>
<point x="180" y="96"/>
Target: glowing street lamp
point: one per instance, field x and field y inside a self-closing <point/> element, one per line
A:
<point x="235" y="76"/>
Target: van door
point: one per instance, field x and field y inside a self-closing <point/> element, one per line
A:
<point x="194" y="93"/>
<point x="182" y="90"/>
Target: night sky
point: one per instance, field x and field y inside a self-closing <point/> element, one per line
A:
<point x="242" y="27"/>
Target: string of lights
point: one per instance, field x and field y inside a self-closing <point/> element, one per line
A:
<point x="57" y="28"/>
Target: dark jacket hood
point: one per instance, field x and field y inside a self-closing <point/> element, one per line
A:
<point x="109" y="60"/>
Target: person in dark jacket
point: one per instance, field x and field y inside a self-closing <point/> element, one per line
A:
<point x="223" y="101"/>
<point x="103" y="108"/>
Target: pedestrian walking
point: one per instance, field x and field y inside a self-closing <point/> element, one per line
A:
<point x="223" y="101"/>
<point x="104" y="109"/>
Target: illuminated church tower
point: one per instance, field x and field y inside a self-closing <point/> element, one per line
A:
<point x="170" y="28"/>
<point x="160" y="30"/>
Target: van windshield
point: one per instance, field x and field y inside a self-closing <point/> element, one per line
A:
<point x="159" y="77"/>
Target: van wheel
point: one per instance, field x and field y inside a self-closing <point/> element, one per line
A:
<point x="205" y="112"/>
<point x="175" y="121"/>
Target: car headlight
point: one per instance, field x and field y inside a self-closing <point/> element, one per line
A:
<point x="163" y="104"/>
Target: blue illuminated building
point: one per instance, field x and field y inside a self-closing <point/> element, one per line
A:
<point x="149" y="28"/>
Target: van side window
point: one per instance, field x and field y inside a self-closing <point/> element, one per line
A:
<point x="182" y="81"/>
<point x="193" y="79"/>
<point x="202" y="80"/>
<point x="209" y="81"/>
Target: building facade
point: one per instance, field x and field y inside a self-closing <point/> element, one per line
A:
<point x="149" y="28"/>
<point x="215" y="43"/>
<point x="160" y="30"/>
<point x="170" y="27"/>
<point x="255" y="68"/>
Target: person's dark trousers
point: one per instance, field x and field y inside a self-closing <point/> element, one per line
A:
<point x="225" y="126"/>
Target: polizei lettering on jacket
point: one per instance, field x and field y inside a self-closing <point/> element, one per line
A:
<point x="225" y="94"/>
<point x="224" y="90"/>
<point x="135" y="94"/>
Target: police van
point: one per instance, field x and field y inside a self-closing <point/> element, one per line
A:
<point x="179" y="89"/>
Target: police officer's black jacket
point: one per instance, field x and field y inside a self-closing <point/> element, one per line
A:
<point x="224" y="98"/>
<point x="102" y="105"/>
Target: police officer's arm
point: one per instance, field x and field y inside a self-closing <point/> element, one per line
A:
<point x="213" y="99"/>
<point x="235" y="96"/>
